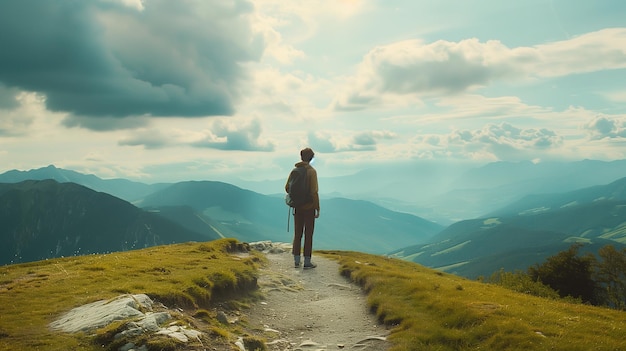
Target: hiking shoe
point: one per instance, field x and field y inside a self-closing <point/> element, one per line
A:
<point x="309" y="265"/>
<point x="297" y="265"/>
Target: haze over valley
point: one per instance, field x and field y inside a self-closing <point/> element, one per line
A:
<point x="511" y="226"/>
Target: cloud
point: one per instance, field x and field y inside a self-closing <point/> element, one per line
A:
<point x="129" y="58"/>
<point x="444" y="68"/>
<point x="371" y="138"/>
<point x="148" y="138"/>
<point x="105" y="123"/>
<point x="21" y="113"/>
<point x="243" y="137"/>
<point x="328" y="142"/>
<point x="603" y="127"/>
<point x="321" y="142"/>
<point x="492" y="142"/>
<point x="8" y="97"/>
<point x="12" y="125"/>
<point x="591" y="52"/>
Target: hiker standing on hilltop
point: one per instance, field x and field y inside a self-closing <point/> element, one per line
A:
<point x="305" y="213"/>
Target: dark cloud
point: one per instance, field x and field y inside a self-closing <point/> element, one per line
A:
<point x="240" y="137"/>
<point x="105" y="123"/>
<point x="100" y="58"/>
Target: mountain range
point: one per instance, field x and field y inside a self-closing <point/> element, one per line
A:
<point x="43" y="219"/>
<point x="446" y="193"/>
<point x="528" y="231"/>
<point x="54" y="222"/>
<point x="344" y="224"/>
<point x="525" y="212"/>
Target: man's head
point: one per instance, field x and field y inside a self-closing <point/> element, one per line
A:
<point x="306" y="154"/>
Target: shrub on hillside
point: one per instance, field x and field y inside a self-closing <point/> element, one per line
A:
<point x="599" y="281"/>
<point x="569" y="274"/>
<point x="522" y="282"/>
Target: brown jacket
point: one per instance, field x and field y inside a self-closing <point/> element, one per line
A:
<point x="311" y="174"/>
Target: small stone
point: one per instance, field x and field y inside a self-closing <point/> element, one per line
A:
<point x="222" y="318"/>
<point x="179" y="336"/>
<point x="308" y="343"/>
<point x="239" y="344"/>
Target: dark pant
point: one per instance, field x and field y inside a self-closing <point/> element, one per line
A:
<point x="304" y="223"/>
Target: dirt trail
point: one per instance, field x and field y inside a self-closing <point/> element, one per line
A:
<point x="313" y="309"/>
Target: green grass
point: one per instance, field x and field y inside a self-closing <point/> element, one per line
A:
<point x="191" y="276"/>
<point x="430" y="310"/>
<point x="424" y="309"/>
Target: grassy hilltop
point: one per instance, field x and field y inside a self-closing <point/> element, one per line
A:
<point x="425" y="309"/>
<point x="190" y="276"/>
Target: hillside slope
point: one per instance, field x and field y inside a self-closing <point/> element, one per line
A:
<point x="423" y="309"/>
<point x="537" y="203"/>
<point x="527" y="232"/>
<point x="483" y="190"/>
<point x="45" y="219"/>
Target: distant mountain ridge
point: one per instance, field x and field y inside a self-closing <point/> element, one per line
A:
<point x="523" y="228"/>
<point x="483" y="190"/>
<point x="122" y="188"/>
<point x="545" y="202"/>
<point x="249" y="216"/>
<point x="527" y="232"/>
<point x="449" y="192"/>
<point x="441" y="192"/>
<point x="42" y="219"/>
<point x="220" y="209"/>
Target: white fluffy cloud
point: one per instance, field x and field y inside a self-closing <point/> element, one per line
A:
<point x="444" y="68"/>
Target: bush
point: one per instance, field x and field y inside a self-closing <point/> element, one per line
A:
<point x="568" y="274"/>
<point x="523" y="283"/>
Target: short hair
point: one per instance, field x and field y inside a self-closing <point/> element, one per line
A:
<point x="307" y="154"/>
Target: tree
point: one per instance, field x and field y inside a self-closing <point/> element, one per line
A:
<point x="568" y="274"/>
<point x="611" y="276"/>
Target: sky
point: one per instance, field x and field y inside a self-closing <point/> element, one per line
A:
<point x="161" y="90"/>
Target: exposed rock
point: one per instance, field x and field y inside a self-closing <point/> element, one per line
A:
<point x="270" y="247"/>
<point x="222" y="318"/>
<point x="101" y="313"/>
<point x="129" y="308"/>
<point x="180" y="333"/>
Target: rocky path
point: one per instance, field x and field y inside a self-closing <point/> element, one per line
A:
<point x="313" y="309"/>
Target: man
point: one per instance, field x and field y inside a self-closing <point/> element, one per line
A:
<point x="305" y="215"/>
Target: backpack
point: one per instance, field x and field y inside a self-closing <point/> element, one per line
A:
<point x="298" y="192"/>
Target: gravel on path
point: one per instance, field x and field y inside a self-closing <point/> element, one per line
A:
<point x="313" y="309"/>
